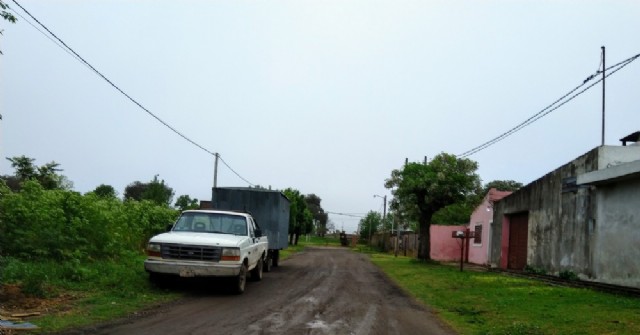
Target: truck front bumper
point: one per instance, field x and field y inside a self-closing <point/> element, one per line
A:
<point x="191" y="268"/>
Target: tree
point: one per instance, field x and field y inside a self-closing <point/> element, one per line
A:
<point x="501" y="185"/>
<point x="455" y="214"/>
<point x="319" y="216"/>
<point x="155" y="191"/>
<point x="47" y="175"/>
<point x="184" y="202"/>
<point x="105" y="191"/>
<point x="331" y="227"/>
<point x="300" y="217"/>
<point x="158" y="192"/>
<point x="370" y="224"/>
<point x="134" y="191"/>
<point x="6" y="15"/>
<point x="460" y="212"/>
<point x="423" y="189"/>
<point x="23" y="166"/>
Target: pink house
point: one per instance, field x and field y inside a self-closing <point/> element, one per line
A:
<point x="480" y="224"/>
<point x="444" y="247"/>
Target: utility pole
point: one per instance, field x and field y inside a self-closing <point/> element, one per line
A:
<point x="215" y="171"/>
<point x="384" y="214"/>
<point x="603" y="91"/>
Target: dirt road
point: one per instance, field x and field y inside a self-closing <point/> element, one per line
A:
<point x="319" y="291"/>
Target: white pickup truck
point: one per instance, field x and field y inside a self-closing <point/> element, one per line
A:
<point x="210" y="243"/>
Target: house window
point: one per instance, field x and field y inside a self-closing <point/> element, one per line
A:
<point x="477" y="237"/>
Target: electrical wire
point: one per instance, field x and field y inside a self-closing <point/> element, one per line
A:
<point x="67" y="48"/>
<point x="49" y="37"/>
<point x="346" y="214"/>
<point x="550" y="108"/>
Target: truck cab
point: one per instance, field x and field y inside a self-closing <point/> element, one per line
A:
<point x="209" y="243"/>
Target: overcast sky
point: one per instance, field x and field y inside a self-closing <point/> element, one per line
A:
<point x="327" y="97"/>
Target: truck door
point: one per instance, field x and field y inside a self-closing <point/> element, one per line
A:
<point x="255" y="250"/>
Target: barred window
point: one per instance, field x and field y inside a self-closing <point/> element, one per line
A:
<point x="477" y="239"/>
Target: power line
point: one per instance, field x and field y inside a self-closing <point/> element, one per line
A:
<point x="346" y="214"/>
<point x="82" y="60"/>
<point x="551" y="107"/>
<point x="47" y="36"/>
<point x="232" y="170"/>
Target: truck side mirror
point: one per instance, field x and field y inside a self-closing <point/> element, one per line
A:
<point x="258" y="232"/>
<point x="169" y="227"/>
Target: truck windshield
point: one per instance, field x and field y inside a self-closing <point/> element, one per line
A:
<point x="212" y="223"/>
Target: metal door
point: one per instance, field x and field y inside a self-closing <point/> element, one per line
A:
<point x="518" y="235"/>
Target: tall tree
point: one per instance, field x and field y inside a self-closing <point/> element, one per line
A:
<point x="426" y="188"/>
<point x="370" y="224"/>
<point x="155" y="191"/>
<point x="300" y="218"/>
<point x="185" y="202"/>
<point x="47" y="175"/>
<point x="105" y="191"/>
<point x="319" y="216"/>
<point x="24" y="167"/>
<point x="158" y="192"/>
<point x="6" y="15"/>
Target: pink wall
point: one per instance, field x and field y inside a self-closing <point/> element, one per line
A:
<point x="504" y="252"/>
<point x="483" y="216"/>
<point x="443" y="246"/>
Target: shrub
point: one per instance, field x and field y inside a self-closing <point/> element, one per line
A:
<point x="568" y="275"/>
<point x="38" y="224"/>
<point x="534" y="270"/>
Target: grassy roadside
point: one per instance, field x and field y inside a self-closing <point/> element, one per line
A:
<point x="493" y="303"/>
<point x="76" y="295"/>
<point x="73" y="295"/>
<point x="471" y="302"/>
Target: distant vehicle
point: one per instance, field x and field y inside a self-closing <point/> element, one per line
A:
<point x="209" y="243"/>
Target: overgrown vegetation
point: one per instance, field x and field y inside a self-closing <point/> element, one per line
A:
<point x="81" y="249"/>
<point x="493" y="303"/>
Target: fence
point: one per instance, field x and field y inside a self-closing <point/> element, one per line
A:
<point x="443" y="246"/>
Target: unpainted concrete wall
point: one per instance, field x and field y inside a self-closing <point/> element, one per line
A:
<point x="592" y="231"/>
<point x="617" y="234"/>
<point x="558" y="235"/>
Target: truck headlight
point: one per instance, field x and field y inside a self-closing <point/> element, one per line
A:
<point x="230" y="254"/>
<point x="153" y="250"/>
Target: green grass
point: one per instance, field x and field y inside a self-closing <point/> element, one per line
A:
<point x="98" y="307"/>
<point x="303" y="242"/>
<point x="471" y="302"/>
<point x="494" y="303"/>
<point x="89" y="293"/>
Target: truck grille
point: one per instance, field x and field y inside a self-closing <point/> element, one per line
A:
<point x="191" y="252"/>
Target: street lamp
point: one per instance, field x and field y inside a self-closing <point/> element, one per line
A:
<point x="384" y="215"/>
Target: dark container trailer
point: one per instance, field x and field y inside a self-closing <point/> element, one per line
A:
<point x="269" y="208"/>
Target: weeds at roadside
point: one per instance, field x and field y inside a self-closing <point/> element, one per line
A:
<point x="495" y="304"/>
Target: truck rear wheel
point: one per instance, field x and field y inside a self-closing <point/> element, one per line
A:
<point x="241" y="280"/>
<point x="276" y="258"/>
<point x="256" y="273"/>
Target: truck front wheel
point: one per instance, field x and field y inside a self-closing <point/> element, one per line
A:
<point x="241" y="280"/>
<point x="256" y="273"/>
